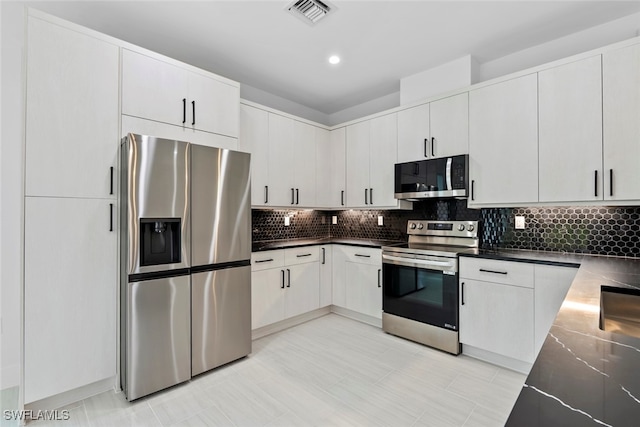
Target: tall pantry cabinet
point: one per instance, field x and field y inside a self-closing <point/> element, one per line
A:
<point x="70" y="240"/>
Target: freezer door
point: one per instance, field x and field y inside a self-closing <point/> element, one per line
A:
<point x="221" y="317"/>
<point x="220" y="206"/>
<point x="158" y="335"/>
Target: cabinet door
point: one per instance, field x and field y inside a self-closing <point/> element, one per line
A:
<point x="621" y="114"/>
<point x="302" y="293"/>
<point x="338" y="276"/>
<point x="503" y="142"/>
<point x="326" y="272"/>
<point x="304" y="164"/>
<point x="281" y="186"/>
<point x="71" y="113"/>
<point x="153" y="89"/>
<point x="331" y="167"/>
<point x="70" y="289"/>
<point x="358" y="164"/>
<point x="254" y="139"/>
<point x="551" y="286"/>
<point x="216" y="105"/>
<point x="414" y="137"/>
<point x="267" y="297"/>
<point x="364" y="289"/>
<point x="382" y="158"/>
<point x="449" y="118"/>
<point x="570" y="123"/>
<point x="497" y="318"/>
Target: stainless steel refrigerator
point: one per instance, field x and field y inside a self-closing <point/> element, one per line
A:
<point x="185" y="261"/>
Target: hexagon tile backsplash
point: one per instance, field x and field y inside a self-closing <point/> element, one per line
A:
<point x="584" y="229"/>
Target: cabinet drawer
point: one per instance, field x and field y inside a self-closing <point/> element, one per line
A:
<point x="293" y="256"/>
<point x="505" y="272"/>
<point x="371" y="256"/>
<point x="267" y="259"/>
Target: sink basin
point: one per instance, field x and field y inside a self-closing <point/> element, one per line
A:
<point x="620" y="310"/>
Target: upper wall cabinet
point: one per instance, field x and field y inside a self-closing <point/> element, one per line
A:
<point x="71" y="113"/>
<point x="156" y="90"/>
<point x="621" y="114"/>
<point x="331" y="168"/>
<point x="438" y="129"/>
<point x="503" y="142"/>
<point x="254" y="139"/>
<point x="570" y="126"/>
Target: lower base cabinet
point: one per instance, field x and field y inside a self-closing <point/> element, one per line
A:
<point x="357" y="279"/>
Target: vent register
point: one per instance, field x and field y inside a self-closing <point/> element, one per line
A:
<point x="310" y="11"/>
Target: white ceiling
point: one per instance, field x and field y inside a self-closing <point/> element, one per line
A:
<point x="260" y="44"/>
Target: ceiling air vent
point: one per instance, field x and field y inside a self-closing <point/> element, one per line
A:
<point x="310" y="11"/>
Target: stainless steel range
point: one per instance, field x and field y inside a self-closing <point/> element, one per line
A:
<point x="420" y="286"/>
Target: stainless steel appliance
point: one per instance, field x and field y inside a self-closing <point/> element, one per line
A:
<point x="420" y="282"/>
<point x="185" y="261"/>
<point x="433" y="178"/>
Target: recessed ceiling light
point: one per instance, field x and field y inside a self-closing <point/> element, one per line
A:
<point x="334" y="59"/>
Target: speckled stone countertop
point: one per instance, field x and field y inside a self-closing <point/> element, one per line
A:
<point x="294" y="243"/>
<point x="583" y="375"/>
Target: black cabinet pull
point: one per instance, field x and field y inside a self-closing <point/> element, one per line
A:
<point x="473" y="195"/>
<point x="282" y="285"/>
<point x="426" y="154"/>
<point x="302" y="255"/>
<point x="184" y="110"/>
<point x="595" y="182"/>
<point x="366" y="197"/>
<point x="342" y="198"/>
<point x="292" y="197"/>
<point x="379" y="278"/>
<point x="297" y="196"/>
<point x="371" y="196"/>
<point x="611" y="182"/>
<point x="111" y="180"/>
<point x="193" y="108"/>
<point x="266" y="194"/>
<point x="288" y="278"/>
<point x="433" y="152"/>
<point x="462" y="296"/>
<point x="363" y="256"/>
<point x="323" y="256"/>
<point x="493" y="271"/>
<point x="258" y="261"/>
<point x="110" y="216"/>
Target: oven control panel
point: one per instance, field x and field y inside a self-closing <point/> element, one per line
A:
<point x="443" y="228"/>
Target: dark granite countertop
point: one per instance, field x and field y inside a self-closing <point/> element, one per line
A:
<point x="294" y="243"/>
<point x="583" y="375"/>
<point x="536" y="257"/>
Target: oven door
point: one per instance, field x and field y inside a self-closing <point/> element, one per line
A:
<point x="424" y="290"/>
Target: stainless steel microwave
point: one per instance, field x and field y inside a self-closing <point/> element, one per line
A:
<point x="433" y="178"/>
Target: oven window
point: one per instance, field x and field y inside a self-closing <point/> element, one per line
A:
<point x="427" y="296"/>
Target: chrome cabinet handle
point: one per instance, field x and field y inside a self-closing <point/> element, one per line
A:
<point x="379" y="278"/>
<point x="323" y="256"/>
<point x="433" y="153"/>
<point x="266" y="194"/>
<point x="111" y="180"/>
<point x="193" y="108"/>
<point x="110" y="217"/>
<point x="184" y="110"/>
<point x="288" y="278"/>
<point x="493" y="271"/>
<point x="258" y="261"/>
<point x="282" y="285"/>
<point x="595" y="183"/>
<point x="462" y="294"/>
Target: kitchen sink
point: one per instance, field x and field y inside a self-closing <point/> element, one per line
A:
<point x="620" y="310"/>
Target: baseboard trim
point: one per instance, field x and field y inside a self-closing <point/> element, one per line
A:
<point x="364" y="318"/>
<point x="289" y="323"/>
<point x="72" y="396"/>
<point x="497" y="359"/>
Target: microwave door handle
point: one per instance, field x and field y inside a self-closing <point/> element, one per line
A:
<point x="449" y="162"/>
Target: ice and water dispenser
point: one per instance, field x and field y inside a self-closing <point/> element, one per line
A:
<point x="159" y="241"/>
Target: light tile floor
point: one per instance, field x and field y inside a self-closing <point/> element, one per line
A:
<point x="331" y="371"/>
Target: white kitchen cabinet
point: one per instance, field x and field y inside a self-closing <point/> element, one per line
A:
<point x="338" y="276"/>
<point x="70" y="279"/>
<point x="621" y="123"/>
<point x="130" y="124"/>
<point x="570" y="126"/>
<point x="71" y="113"/>
<point x="503" y="143"/>
<point x="165" y="92"/>
<point x="414" y="135"/>
<point x="281" y="157"/>
<point x="371" y="155"/>
<point x="267" y="296"/>
<point x="331" y="168"/>
<point x="364" y="288"/>
<point x="302" y="289"/>
<point x="326" y="273"/>
<point x="551" y="286"/>
<point x="254" y="139"/>
<point x="438" y="129"/>
<point x="305" y="139"/>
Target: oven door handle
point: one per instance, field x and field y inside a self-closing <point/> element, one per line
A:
<point x="415" y="261"/>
